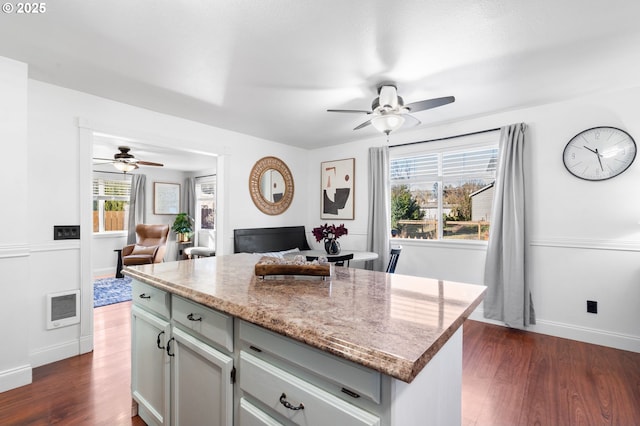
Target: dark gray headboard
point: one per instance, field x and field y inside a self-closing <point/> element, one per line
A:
<point x="262" y="240"/>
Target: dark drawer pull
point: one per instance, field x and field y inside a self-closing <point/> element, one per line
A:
<point x="169" y="347"/>
<point x="158" y="340"/>
<point x="350" y="393"/>
<point x="287" y="404"/>
<point x="192" y="317"/>
<point x="145" y="296"/>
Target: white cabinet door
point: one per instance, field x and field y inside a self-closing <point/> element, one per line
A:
<point x="202" y="384"/>
<point x="150" y="366"/>
<point x="250" y="415"/>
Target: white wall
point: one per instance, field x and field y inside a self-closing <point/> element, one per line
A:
<point x="45" y="127"/>
<point x="584" y="237"/>
<point x="15" y="368"/>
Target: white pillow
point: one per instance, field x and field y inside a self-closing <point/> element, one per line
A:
<point x="280" y="254"/>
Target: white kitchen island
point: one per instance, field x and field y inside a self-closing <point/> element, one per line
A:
<point x="360" y="348"/>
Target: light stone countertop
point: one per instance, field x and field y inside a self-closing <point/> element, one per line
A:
<point x="388" y="322"/>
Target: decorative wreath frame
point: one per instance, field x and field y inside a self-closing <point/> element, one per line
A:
<point x="265" y="206"/>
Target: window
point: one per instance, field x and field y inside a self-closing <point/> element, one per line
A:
<point x="110" y="202"/>
<point x="444" y="190"/>
<point x="206" y="211"/>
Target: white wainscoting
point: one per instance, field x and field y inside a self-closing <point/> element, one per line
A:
<point x="565" y="272"/>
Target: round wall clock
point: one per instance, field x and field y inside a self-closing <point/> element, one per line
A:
<point x="599" y="153"/>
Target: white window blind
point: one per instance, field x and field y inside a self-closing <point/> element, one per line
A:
<point x="479" y="164"/>
<point x="108" y="188"/>
<point x="419" y="167"/>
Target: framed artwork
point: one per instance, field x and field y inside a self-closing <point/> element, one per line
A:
<point x="166" y="198"/>
<point x="337" y="189"/>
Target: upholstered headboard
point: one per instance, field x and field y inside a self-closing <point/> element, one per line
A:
<point x="262" y="240"/>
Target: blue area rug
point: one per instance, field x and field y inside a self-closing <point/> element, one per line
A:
<point x="107" y="291"/>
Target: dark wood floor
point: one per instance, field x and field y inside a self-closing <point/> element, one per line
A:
<point x="510" y="378"/>
<point x="91" y="389"/>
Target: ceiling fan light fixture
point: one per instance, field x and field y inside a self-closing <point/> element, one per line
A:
<point x="387" y="123"/>
<point x="388" y="96"/>
<point x="124" y="167"/>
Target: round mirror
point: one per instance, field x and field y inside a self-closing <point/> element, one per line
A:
<point x="271" y="185"/>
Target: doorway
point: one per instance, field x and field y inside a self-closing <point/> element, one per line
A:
<point x="99" y="250"/>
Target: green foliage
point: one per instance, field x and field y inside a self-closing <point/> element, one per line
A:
<point x="182" y="224"/>
<point x="114" y="206"/>
<point x="403" y="206"/>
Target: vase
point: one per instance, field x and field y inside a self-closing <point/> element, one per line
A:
<point x="331" y="246"/>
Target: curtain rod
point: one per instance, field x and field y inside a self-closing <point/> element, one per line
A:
<point x="198" y="177"/>
<point x="446" y="137"/>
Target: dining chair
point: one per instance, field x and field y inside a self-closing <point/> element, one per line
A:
<point x="393" y="260"/>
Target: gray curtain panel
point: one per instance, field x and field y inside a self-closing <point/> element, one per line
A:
<point x="379" y="224"/>
<point x="189" y="203"/>
<point x="137" y="206"/>
<point x="508" y="298"/>
<point x="189" y="197"/>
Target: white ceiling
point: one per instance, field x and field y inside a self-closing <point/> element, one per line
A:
<point x="271" y="68"/>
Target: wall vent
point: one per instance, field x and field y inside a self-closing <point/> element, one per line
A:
<point x="63" y="309"/>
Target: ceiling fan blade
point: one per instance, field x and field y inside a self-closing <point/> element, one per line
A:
<point x="359" y="111"/>
<point x="148" y="163"/>
<point x="429" y="103"/>
<point x="365" y="124"/>
<point x="110" y="160"/>
<point x="411" y="121"/>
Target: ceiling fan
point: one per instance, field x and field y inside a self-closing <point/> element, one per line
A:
<point x="389" y="112"/>
<point x="126" y="162"/>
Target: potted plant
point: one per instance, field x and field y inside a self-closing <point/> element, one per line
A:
<point x="330" y="234"/>
<point x="183" y="227"/>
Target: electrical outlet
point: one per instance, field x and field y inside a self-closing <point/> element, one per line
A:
<point x="592" y="306"/>
<point x="71" y="232"/>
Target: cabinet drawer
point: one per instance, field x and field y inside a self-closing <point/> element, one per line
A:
<point x="151" y="298"/>
<point x="250" y="415"/>
<point x="283" y="392"/>
<point x="343" y="374"/>
<point x="209" y="324"/>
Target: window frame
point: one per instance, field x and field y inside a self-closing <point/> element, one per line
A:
<point x="199" y="182"/>
<point x="100" y="198"/>
<point x="470" y="142"/>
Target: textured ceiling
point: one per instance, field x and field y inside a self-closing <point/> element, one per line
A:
<point x="271" y="68"/>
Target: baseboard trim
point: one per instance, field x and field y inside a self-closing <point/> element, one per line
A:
<point x="15" y="377"/>
<point x="86" y="344"/>
<point x="54" y="353"/>
<point x="594" y="336"/>
<point x="103" y="272"/>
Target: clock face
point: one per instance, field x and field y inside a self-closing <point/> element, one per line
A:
<point x="599" y="153"/>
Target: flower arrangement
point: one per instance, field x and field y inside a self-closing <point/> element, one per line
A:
<point x="329" y="231"/>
